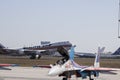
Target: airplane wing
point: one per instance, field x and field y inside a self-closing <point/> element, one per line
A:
<point x="43" y="66"/>
<point x="101" y="69"/>
<point x="4" y="66"/>
<point x="7" y="65"/>
<point x="8" y="51"/>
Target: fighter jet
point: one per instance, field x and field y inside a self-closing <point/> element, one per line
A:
<point x="67" y="67"/>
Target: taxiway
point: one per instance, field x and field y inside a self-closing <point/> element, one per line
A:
<point x="31" y="73"/>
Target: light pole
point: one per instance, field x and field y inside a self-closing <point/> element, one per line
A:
<point x="119" y="21"/>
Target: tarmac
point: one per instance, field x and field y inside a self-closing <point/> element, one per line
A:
<point x="31" y="73"/>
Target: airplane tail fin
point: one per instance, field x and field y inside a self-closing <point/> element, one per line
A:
<point x="1" y="46"/>
<point x="72" y="52"/>
<point x="117" y="52"/>
<point x="97" y="58"/>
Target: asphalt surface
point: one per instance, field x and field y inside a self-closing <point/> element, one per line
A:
<point x="30" y="73"/>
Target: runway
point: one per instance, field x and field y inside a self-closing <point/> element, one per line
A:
<point x="26" y="73"/>
<point x="30" y="73"/>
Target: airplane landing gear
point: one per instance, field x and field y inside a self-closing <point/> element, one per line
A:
<point x="90" y="77"/>
<point x="64" y="79"/>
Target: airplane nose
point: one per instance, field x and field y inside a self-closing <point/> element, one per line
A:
<point x="55" y="70"/>
<point x="51" y="73"/>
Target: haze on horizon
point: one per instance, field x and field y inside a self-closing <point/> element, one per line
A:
<point x="85" y="23"/>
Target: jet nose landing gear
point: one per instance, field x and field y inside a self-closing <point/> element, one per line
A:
<point x="64" y="79"/>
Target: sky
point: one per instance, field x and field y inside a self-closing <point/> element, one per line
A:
<point x="85" y="23"/>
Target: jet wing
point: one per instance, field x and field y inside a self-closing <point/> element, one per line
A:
<point x="43" y="66"/>
<point x="7" y="65"/>
<point x="108" y="72"/>
<point x="4" y="66"/>
<point x="101" y="69"/>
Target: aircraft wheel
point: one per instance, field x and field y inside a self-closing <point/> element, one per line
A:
<point x="32" y="57"/>
<point x="64" y="79"/>
<point x="39" y="57"/>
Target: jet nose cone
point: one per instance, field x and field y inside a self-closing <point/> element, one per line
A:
<point x="51" y="73"/>
<point x="55" y="70"/>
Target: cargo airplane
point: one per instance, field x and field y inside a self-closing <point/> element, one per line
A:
<point x="67" y="67"/>
<point x="115" y="55"/>
<point x="36" y="52"/>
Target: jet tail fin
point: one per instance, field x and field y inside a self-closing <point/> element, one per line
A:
<point x="97" y="58"/>
<point x="72" y="52"/>
<point x="1" y="46"/>
<point x="117" y="52"/>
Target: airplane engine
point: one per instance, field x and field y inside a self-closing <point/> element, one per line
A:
<point x="38" y="56"/>
<point x="21" y="51"/>
<point x="35" y="56"/>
